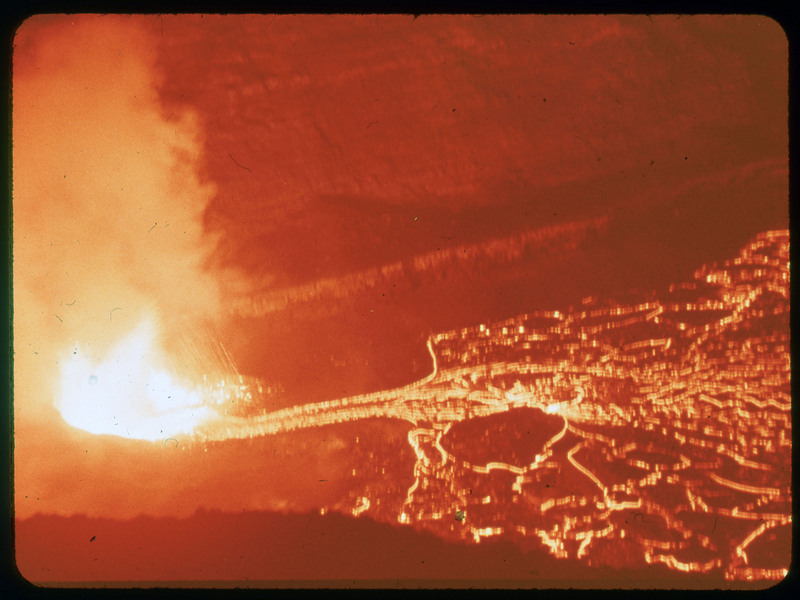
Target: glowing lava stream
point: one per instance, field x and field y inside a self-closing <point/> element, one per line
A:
<point x="127" y="394"/>
<point x="132" y="393"/>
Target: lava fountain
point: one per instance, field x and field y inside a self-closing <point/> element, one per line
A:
<point x="130" y="393"/>
<point x="114" y="267"/>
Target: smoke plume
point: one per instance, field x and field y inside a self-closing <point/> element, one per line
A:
<point x="107" y="201"/>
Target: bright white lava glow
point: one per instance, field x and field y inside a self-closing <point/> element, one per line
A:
<point x="128" y="394"/>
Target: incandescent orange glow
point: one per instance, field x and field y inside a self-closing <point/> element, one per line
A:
<point x="438" y="298"/>
<point x="129" y="393"/>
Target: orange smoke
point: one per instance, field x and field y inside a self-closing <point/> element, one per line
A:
<point x="107" y="223"/>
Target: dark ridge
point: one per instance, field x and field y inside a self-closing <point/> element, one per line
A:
<point x="256" y="547"/>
